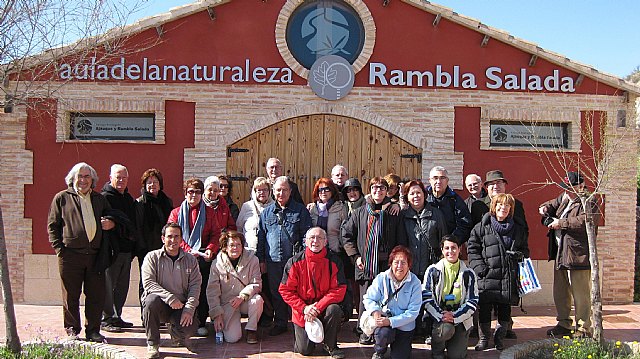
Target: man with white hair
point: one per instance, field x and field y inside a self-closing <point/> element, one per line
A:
<point x="339" y="176"/>
<point x="76" y="225"/>
<point x="473" y="184"/>
<point x="274" y="170"/>
<point x="118" y="274"/>
<point x="281" y="232"/>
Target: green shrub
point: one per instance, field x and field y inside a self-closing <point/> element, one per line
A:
<point x="44" y="350"/>
<point x="584" y="349"/>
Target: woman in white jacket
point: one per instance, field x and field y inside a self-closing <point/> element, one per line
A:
<point x="450" y="290"/>
<point x="234" y="284"/>
<point x="249" y="216"/>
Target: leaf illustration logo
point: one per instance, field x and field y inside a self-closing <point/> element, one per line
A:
<point x="323" y="76"/>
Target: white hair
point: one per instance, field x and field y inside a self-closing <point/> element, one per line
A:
<point x="73" y="173"/>
<point x="284" y="179"/>
<point x="116" y="168"/>
<point x="338" y="167"/>
<point x="324" y="233"/>
<point x="273" y="159"/>
<point x="438" y="169"/>
<point x="472" y="175"/>
<point x="211" y="180"/>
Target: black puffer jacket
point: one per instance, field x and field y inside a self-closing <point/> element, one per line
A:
<point x="497" y="270"/>
<point x="455" y="211"/>
<point x="424" y="231"/>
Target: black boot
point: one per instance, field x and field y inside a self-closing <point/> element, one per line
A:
<point x="499" y="335"/>
<point x="484" y="333"/>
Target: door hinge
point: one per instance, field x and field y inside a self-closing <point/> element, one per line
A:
<point x="417" y="156"/>
<point x="230" y="150"/>
<point x="239" y="178"/>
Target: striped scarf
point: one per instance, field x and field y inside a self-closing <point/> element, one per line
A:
<point x="374" y="234"/>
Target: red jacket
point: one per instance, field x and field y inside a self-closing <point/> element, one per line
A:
<point x="298" y="289"/>
<point x="223" y="215"/>
<point x="210" y="233"/>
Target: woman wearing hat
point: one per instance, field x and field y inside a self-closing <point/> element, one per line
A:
<point x="496" y="245"/>
<point x="451" y="292"/>
<point x="352" y="192"/>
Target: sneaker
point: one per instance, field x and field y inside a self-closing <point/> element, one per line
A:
<point x="72" y="334"/>
<point x="335" y="353"/>
<point x="558" y="332"/>
<point x="122" y="324"/>
<point x="277" y="330"/>
<point x="378" y="356"/>
<point x="110" y="327"/>
<point x="202" y="332"/>
<point x="95" y="337"/>
<point x="365" y="339"/>
<point x="153" y="352"/>
<point x="252" y="337"/>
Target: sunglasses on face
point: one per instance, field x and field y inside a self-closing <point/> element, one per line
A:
<point x="324" y="189"/>
<point x="194" y="191"/>
<point x="223" y="186"/>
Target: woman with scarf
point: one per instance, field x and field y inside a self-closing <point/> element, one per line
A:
<point x="213" y="198"/>
<point x="393" y="302"/>
<point x="153" y="211"/>
<point x="249" y="216"/>
<point x="368" y="236"/>
<point x="352" y="192"/>
<point x="328" y="212"/>
<point x="496" y="245"/>
<point x="200" y="233"/>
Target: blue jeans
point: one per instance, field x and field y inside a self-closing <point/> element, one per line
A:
<point x="399" y="340"/>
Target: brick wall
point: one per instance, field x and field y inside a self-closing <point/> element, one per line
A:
<point x="424" y="118"/>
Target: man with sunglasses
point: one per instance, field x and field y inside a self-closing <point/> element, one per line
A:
<point x="200" y="234"/>
<point x="281" y="232"/>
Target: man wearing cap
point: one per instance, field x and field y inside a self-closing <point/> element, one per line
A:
<point x="569" y="248"/>
<point x="455" y="211"/>
<point x="496" y="184"/>
<point x="313" y="285"/>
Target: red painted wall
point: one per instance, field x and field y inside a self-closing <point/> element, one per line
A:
<point x="52" y="162"/>
<point x="525" y="171"/>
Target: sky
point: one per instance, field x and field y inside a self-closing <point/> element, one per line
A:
<point x="604" y="34"/>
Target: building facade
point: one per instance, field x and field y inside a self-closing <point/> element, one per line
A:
<point x="220" y="86"/>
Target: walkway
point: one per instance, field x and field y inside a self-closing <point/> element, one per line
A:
<point x="45" y="322"/>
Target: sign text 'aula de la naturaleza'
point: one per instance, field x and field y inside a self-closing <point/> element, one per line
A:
<point x="440" y="76"/>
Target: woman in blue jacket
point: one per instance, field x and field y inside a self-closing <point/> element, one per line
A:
<point x="393" y="300"/>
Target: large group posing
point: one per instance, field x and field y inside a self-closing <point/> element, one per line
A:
<point x="394" y="254"/>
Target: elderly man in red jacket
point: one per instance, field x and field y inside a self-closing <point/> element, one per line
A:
<point x="313" y="285"/>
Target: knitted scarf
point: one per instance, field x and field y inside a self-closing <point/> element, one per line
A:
<point x="210" y="203"/>
<point x="193" y="238"/>
<point x="504" y="229"/>
<point x="374" y="235"/>
<point x="323" y="213"/>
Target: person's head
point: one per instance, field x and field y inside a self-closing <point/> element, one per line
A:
<point x="315" y="239"/>
<point x="82" y="177"/>
<point x="378" y="188"/>
<point x="193" y="189"/>
<point x="232" y="243"/>
<point x="495" y="183"/>
<point x="473" y="184"/>
<point x="352" y="189"/>
<point x="274" y="168"/>
<point x="226" y="186"/>
<point x="212" y="188"/>
<point x="261" y="189"/>
<point x="339" y="175"/>
<point x="415" y="194"/>
<point x="171" y="238"/>
<point x="394" y="181"/>
<point x="152" y="181"/>
<point x="502" y="206"/>
<point x="119" y="177"/>
<point x="282" y="190"/>
<point x="400" y="261"/>
<point x="573" y="183"/>
<point x="439" y="180"/>
<point x="450" y="247"/>
<point x="324" y="190"/>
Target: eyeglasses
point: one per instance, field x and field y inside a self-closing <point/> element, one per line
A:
<point x="441" y="178"/>
<point x="194" y="191"/>
<point x="324" y="189"/>
<point x="262" y="190"/>
<point x="495" y="183"/>
<point x="234" y="245"/>
<point x="378" y="188"/>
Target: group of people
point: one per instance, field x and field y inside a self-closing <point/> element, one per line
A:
<point x="393" y="253"/>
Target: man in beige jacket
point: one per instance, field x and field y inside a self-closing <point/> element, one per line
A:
<point x="171" y="281"/>
<point x="234" y="284"/>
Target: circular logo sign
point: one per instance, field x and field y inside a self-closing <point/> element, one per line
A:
<point x="318" y="28"/>
<point x="500" y="134"/>
<point x="331" y="77"/>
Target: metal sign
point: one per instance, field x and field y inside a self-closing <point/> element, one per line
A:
<point x="331" y="77"/>
<point x="113" y="126"/>
<point x="529" y="134"/>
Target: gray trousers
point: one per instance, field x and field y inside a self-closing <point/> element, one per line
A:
<point x="576" y="284"/>
<point x="456" y="344"/>
<point x="331" y="319"/>
<point x="155" y="311"/>
<point x="117" y="278"/>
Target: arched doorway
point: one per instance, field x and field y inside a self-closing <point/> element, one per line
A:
<point x="309" y="146"/>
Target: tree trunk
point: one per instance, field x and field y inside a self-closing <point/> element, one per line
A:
<point x="13" y="341"/>
<point x="596" y="296"/>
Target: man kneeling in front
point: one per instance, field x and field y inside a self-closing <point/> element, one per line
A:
<point x="171" y="281"/>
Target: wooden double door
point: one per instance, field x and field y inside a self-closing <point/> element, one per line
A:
<point x="309" y="146"/>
